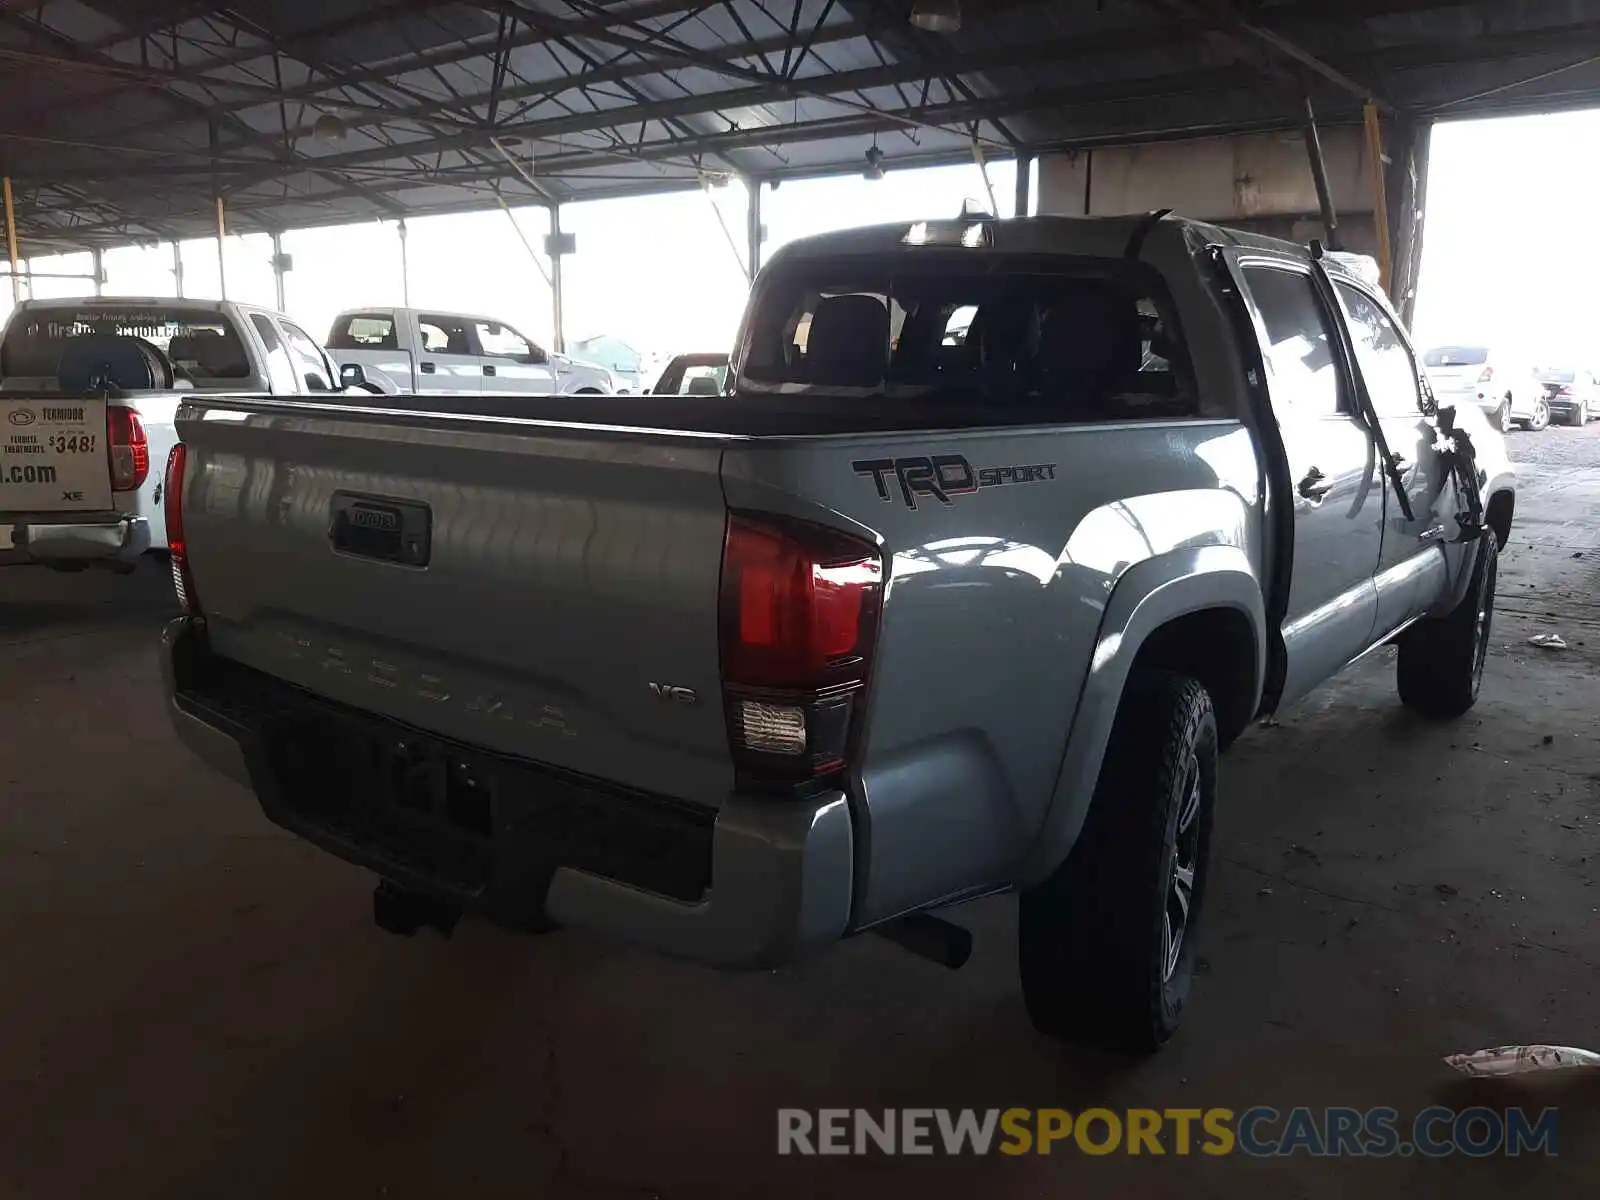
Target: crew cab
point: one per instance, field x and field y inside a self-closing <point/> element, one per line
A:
<point x="407" y="351"/>
<point x="76" y="487"/>
<point x="897" y="620"/>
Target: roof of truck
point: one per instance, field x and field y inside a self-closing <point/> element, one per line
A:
<point x="126" y="302"/>
<point x="1108" y="237"/>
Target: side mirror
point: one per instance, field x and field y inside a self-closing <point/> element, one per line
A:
<point x="646" y="392"/>
<point x="536" y="357"/>
<point x="351" y="375"/>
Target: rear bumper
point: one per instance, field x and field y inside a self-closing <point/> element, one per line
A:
<point x="107" y="539"/>
<point x="752" y="885"/>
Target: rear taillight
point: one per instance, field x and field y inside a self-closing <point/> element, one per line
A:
<point x="177" y="546"/>
<point x="799" y="616"/>
<point x="1487" y="375"/>
<point x="1563" y="391"/>
<point x="128" y="449"/>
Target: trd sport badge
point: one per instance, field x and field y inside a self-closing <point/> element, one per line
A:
<point x="942" y="476"/>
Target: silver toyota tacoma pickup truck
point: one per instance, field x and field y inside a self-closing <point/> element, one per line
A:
<point x="1000" y="534"/>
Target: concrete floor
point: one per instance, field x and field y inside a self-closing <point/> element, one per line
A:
<point x="195" y="1004"/>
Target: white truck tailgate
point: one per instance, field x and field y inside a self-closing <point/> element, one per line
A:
<point x="53" y="455"/>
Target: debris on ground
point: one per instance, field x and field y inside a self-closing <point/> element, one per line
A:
<point x="1304" y="852"/>
<point x="1547" y="641"/>
<point x="1549" y="738"/>
<point x="1521" y="1060"/>
<point x="1445" y="889"/>
<point x="1264" y="891"/>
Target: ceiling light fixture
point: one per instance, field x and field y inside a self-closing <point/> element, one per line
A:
<point x="874" y="158"/>
<point x="328" y="128"/>
<point x="937" y="16"/>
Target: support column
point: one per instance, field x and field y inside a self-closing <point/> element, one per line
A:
<point x="1406" y="191"/>
<point x="11" y="241"/>
<point x="278" y="268"/>
<point x="222" y="255"/>
<point x="405" y="266"/>
<point x="177" y="269"/>
<point x="755" y="234"/>
<point x="98" y="257"/>
<point x="1319" y="176"/>
<point x="557" y="252"/>
<point x="1024" y="182"/>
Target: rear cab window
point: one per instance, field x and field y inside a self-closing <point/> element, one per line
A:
<point x="1456" y="356"/>
<point x="1013" y="338"/>
<point x="204" y="348"/>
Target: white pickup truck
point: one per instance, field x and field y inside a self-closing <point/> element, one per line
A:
<point x="421" y="352"/>
<point x="76" y="487"/>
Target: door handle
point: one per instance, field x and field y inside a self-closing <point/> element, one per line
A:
<point x="487" y="369"/>
<point x="1315" y="485"/>
<point x="427" y="368"/>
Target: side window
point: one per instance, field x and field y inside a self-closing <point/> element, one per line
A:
<point x="280" y="367"/>
<point x="445" y="335"/>
<point x="501" y="341"/>
<point x="1384" y="360"/>
<point x="308" y="359"/>
<point x="364" y="331"/>
<point x="1305" y="375"/>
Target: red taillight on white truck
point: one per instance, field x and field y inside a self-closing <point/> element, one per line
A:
<point x="177" y="545"/>
<point x="1486" y="375"/>
<point x="127" y="448"/>
<point x="799" y="616"/>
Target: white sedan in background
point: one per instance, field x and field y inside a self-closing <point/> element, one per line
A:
<point x="1504" y="386"/>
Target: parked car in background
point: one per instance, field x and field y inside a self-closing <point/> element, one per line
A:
<point x="1504" y="386"/>
<point x="1572" y="393"/>
<point x="76" y="485"/>
<point x="626" y="364"/>
<point x="692" y="375"/>
<point x="424" y="352"/>
<point x="890" y="624"/>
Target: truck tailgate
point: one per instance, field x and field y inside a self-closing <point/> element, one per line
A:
<point x="515" y="587"/>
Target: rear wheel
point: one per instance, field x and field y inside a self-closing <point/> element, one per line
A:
<point x="1502" y="416"/>
<point x="1580" y="417"/>
<point x="1541" y="416"/>
<point x="1106" y="944"/>
<point x="1441" y="661"/>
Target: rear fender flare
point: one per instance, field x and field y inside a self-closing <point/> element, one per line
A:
<point x="1148" y="596"/>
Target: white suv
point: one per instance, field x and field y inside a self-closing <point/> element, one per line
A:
<point x="1506" y="388"/>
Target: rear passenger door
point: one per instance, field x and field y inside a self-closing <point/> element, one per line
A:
<point x="1337" y="498"/>
<point x="1412" y="572"/>
<point x="448" y="363"/>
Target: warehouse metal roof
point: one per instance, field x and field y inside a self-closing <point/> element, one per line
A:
<point x="126" y="120"/>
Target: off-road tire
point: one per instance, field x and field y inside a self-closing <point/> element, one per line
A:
<point x="1441" y="661"/>
<point x="1091" y="947"/>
